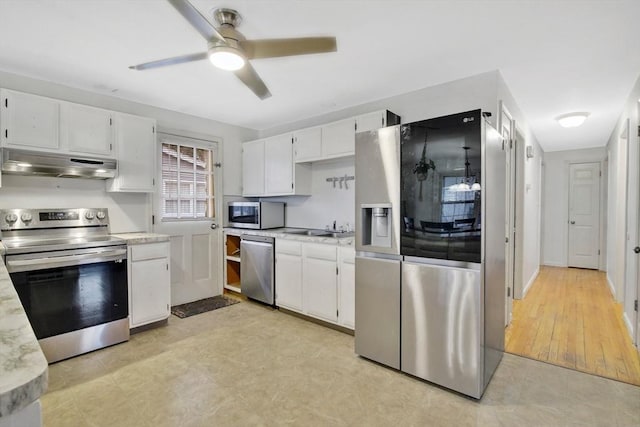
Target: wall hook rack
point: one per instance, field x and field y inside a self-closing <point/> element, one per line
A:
<point x="341" y="179"/>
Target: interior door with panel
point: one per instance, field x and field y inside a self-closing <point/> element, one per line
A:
<point x="584" y="215"/>
<point x="187" y="207"/>
<point x="632" y="242"/>
<point x="86" y="129"/>
<point x="507" y="130"/>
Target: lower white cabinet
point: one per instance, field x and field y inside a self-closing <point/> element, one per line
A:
<point x="316" y="280"/>
<point x="149" y="283"/>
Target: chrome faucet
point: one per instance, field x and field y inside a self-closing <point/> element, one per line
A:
<point x="334" y="225"/>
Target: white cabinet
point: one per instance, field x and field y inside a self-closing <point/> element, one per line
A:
<point x="253" y="167"/>
<point x="371" y="121"/>
<point x="149" y="283"/>
<point x="136" y="148"/>
<point x="268" y="169"/>
<point x="339" y="138"/>
<point x="289" y="275"/>
<point x="320" y="278"/>
<point x="278" y="152"/>
<point x="29" y="121"/>
<point x="86" y="129"/>
<point x="346" y="287"/>
<point x="307" y="144"/>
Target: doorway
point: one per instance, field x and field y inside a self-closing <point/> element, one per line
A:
<point x="188" y="209"/>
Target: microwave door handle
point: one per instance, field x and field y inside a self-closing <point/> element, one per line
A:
<point x="19" y="265"/>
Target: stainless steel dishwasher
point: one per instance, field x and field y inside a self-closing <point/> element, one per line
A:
<point x="257" y="279"/>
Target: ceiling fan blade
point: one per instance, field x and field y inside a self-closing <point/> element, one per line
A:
<point x="272" y="48"/>
<point x="196" y="19"/>
<point x="250" y="77"/>
<point x="170" y="61"/>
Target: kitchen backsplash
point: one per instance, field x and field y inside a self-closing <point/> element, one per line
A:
<point x="326" y="203"/>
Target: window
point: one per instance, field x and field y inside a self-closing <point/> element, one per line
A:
<point x="457" y="205"/>
<point x="187" y="182"/>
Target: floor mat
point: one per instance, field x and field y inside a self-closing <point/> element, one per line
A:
<point x="202" y="306"/>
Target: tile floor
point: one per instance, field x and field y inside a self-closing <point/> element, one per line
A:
<point x="249" y="365"/>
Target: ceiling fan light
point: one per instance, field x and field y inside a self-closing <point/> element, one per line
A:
<point x="226" y="59"/>
<point x="572" y="120"/>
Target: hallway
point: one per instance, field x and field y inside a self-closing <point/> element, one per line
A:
<point x="569" y="318"/>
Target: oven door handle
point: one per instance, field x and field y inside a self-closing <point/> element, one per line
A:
<point x="20" y="265"/>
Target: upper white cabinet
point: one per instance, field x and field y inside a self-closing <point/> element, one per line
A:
<point x="253" y="165"/>
<point x="29" y="121"/>
<point x="307" y="144"/>
<point x="339" y="138"/>
<point x="136" y="153"/>
<point x="278" y="152"/>
<point x="268" y="169"/>
<point x="87" y="129"/>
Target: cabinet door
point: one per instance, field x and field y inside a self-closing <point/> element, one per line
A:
<point x="29" y="121"/>
<point x="253" y="168"/>
<point x="289" y="281"/>
<point x="346" y="297"/>
<point x="278" y="162"/>
<point x="339" y="138"/>
<point x="136" y="144"/>
<point x="86" y="129"/>
<point x="150" y="291"/>
<point x="371" y="121"/>
<point x="320" y="287"/>
<point x="307" y="144"/>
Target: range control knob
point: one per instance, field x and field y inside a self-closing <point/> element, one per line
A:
<point x="89" y="215"/>
<point x="101" y="215"/>
<point x="26" y="217"/>
<point x="11" y="218"/>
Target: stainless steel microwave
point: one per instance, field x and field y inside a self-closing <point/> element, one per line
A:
<point x="256" y="215"/>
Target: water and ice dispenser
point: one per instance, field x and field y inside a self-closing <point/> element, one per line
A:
<point x="377" y="222"/>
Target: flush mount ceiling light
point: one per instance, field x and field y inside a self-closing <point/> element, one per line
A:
<point x="572" y="120"/>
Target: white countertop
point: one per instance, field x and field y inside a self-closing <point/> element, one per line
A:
<point x="139" y="238"/>
<point x="277" y="233"/>
<point x="23" y="367"/>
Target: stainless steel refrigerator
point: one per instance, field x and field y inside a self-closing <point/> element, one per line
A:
<point x="430" y="242"/>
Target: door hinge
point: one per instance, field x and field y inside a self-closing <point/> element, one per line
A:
<point x="6" y="133"/>
<point x="355" y="126"/>
<point x="153" y="181"/>
<point x="292" y="140"/>
<point x="292" y="185"/>
<point x="337" y="313"/>
<point x="110" y="121"/>
<point x="508" y="292"/>
<point x="382" y="122"/>
<point x="153" y="129"/>
<point x="635" y="305"/>
<point x="6" y="104"/>
<point x="638" y="130"/>
<point x="217" y="165"/>
<point x="336" y="270"/>
<point x="598" y="251"/>
<point x="600" y="173"/>
<point x="167" y="267"/>
<point x="110" y="147"/>
<point x="153" y="219"/>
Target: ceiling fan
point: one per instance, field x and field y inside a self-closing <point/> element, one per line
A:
<point x="228" y="49"/>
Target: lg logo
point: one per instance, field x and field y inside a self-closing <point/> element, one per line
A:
<point x="468" y="119"/>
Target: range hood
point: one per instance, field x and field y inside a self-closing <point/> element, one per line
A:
<point x="22" y="162"/>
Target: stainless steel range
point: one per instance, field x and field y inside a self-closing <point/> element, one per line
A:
<point x="70" y="275"/>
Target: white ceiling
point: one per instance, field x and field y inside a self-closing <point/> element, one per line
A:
<point x="556" y="56"/>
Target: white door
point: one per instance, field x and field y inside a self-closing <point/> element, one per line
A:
<point x="29" y="120"/>
<point x="278" y="163"/>
<point x="632" y="237"/>
<point x="188" y="209"/>
<point x="253" y="168"/>
<point x="507" y="126"/>
<point x="584" y="215"/>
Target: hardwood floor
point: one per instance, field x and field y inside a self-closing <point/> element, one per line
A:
<point x="569" y="318"/>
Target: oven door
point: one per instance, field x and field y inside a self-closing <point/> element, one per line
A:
<point x="61" y="297"/>
<point x="244" y="215"/>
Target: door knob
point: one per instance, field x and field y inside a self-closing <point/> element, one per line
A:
<point x="573" y="222"/>
<point x="214" y="226"/>
<point x="636" y="249"/>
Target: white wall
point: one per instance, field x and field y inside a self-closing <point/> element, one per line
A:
<point x="622" y="218"/>
<point x="326" y="204"/>
<point x="556" y="202"/>
<point x="42" y="193"/>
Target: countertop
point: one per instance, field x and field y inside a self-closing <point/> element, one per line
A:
<point x="139" y="238"/>
<point x="277" y="233"/>
<point x="23" y="367"/>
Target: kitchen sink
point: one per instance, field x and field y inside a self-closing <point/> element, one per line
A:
<point x="317" y="233"/>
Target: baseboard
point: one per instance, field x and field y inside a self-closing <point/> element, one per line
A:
<point x="627" y="323"/>
<point x="554" y="264"/>
<point x="533" y="278"/>
<point x="611" y="288"/>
